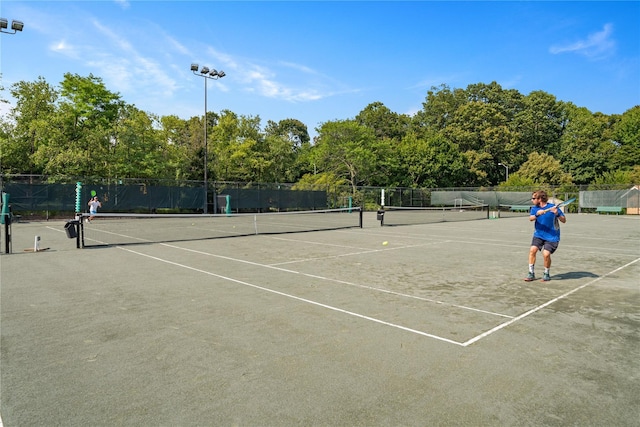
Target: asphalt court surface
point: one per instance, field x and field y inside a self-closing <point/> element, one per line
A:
<point x="436" y="327"/>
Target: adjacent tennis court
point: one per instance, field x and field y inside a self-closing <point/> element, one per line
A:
<point x="426" y="324"/>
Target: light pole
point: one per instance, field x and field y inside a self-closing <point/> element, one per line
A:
<point x="15" y="26"/>
<point x="507" y="169"/>
<point x="213" y="75"/>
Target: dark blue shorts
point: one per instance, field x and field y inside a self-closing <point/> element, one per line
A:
<point x="544" y="244"/>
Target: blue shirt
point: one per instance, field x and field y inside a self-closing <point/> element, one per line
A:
<point x="546" y="227"/>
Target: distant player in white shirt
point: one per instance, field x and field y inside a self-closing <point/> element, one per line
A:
<point x="94" y="204"/>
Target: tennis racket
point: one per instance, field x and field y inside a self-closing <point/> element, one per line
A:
<point x="561" y="205"/>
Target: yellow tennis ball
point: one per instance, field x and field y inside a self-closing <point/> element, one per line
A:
<point x="385" y="243"/>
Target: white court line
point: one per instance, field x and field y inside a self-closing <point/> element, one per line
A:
<point x="329" y="307"/>
<point x="501" y="242"/>
<point x="310" y="242"/>
<point x="540" y="307"/>
<point x="463" y="344"/>
<point x="371" y="288"/>
<point x="362" y="252"/>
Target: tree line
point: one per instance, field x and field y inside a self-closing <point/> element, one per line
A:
<point x="460" y="138"/>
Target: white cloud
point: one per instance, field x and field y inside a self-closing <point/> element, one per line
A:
<point x="298" y="67"/>
<point x="64" y="48"/>
<point x="129" y="70"/>
<point x="596" y="46"/>
<point x="177" y="46"/>
<point x="285" y="81"/>
<point x="123" y="3"/>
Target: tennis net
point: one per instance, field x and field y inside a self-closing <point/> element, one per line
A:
<point x="128" y="229"/>
<point x="509" y="211"/>
<point x="404" y="215"/>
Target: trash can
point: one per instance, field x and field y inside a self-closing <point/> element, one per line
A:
<point x="380" y="215"/>
<point x="70" y="229"/>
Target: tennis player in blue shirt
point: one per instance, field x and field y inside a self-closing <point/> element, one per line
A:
<point x="546" y="235"/>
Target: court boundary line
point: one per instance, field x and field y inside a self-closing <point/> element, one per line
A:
<point x="361" y="252"/>
<point x="314" y="276"/>
<point x="546" y="304"/>
<point x="496" y="242"/>
<point x="512" y="319"/>
<point x="308" y="301"/>
<point x="362" y="316"/>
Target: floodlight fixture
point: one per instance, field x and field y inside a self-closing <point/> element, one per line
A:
<point x="194" y="67"/>
<point x="204" y="70"/>
<point x="15" y="26"/>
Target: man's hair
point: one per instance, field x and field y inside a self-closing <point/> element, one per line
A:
<point x="542" y="195"/>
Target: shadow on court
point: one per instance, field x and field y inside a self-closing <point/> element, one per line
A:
<point x="574" y="275"/>
<point x="332" y="328"/>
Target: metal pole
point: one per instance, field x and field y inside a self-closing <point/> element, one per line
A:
<point x="206" y="149"/>
<point x="506" y="169"/>
<point x="214" y="75"/>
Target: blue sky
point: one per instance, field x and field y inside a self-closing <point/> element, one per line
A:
<point x="321" y="61"/>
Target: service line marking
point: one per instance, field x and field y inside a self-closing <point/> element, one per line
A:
<point x="308" y="301"/>
<point x="351" y="313"/>
<point x="462" y="344"/>
<point x="343" y="282"/>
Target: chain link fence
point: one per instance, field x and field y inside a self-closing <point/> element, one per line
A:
<point x="47" y="197"/>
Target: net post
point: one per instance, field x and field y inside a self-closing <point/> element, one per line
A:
<point x="5" y="218"/>
<point x="5" y="207"/>
<point x="7" y="235"/>
<point x="79" y="229"/>
<point x="361" y="214"/>
<point x="78" y="224"/>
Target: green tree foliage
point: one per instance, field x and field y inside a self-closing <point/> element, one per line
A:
<point x="84" y="121"/>
<point x="626" y="136"/>
<point x="137" y="149"/>
<point x="385" y="123"/>
<point x="344" y="149"/>
<point x="440" y="105"/>
<point x="285" y="143"/>
<point x="459" y="138"/>
<point x="29" y="127"/>
<point x="430" y="160"/>
<point x="320" y="182"/>
<point x="586" y="144"/>
<point x="541" y="168"/>
<point x="178" y="135"/>
<point x="293" y="130"/>
<point x="619" y="177"/>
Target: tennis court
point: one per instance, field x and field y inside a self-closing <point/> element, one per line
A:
<point x="328" y="327"/>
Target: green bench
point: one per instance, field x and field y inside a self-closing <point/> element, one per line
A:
<point x="609" y="209"/>
<point x="520" y="208"/>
